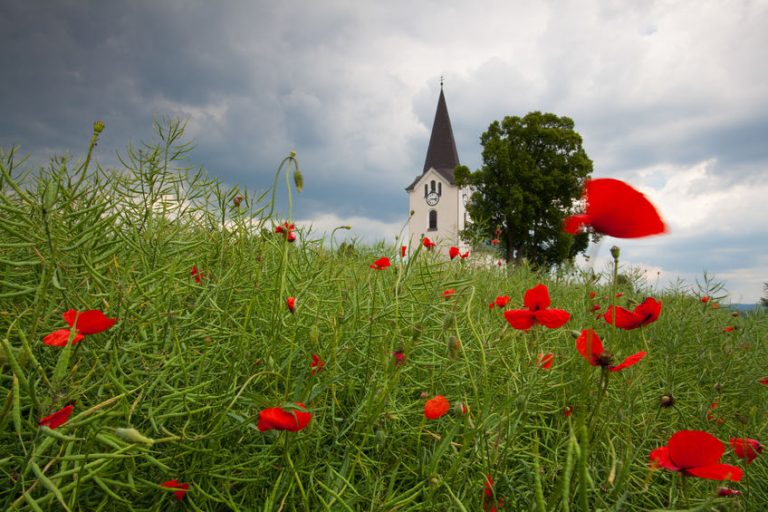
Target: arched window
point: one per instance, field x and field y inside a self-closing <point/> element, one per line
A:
<point x="433" y="220"/>
<point x="426" y="190"/>
<point x="439" y="188"/>
<point x="432" y="185"/>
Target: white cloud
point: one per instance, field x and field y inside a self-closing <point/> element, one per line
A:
<point x="364" y="229"/>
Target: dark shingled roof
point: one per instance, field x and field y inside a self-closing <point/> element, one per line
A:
<point x="441" y="153"/>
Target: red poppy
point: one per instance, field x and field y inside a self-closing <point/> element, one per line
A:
<point x="488" y="502"/>
<point x="317" y="364"/>
<point x="436" y="407"/>
<point x="197" y="274"/>
<point x="595" y="308"/>
<point x="730" y="328"/>
<point x="495" y="241"/>
<point x="287" y="231"/>
<point x="616" y="209"/>
<point x="291" y="303"/>
<point x="490" y="306"/>
<point x="537" y="301"/>
<point x="399" y="356"/>
<point x="591" y="348"/>
<point x="179" y="489"/>
<point x="725" y="491"/>
<point x="545" y="361"/>
<point x="381" y="263"/>
<point x="59" y="338"/>
<point x="746" y="448"/>
<point x="568" y="411"/>
<point x="403" y="251"/>
<point x="450" y="292"/>
<point x="502" y="300"/>
<point x="453" y="251"/>
<point x="645" y="313"/>
<point x="429" y="244"/>
<point x="704" y="299"/>
<point x="58" y="418"/>
<point x="592" y="295"/>
<point x="695" y="453"/>
<point x="712" y="417"/>
<point x="763" y="381"/>
<point x="92" y="321"/>
<point x="276" y="418"/>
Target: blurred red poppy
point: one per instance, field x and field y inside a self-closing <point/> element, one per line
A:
<point x="592" y="295"/>
<point x="711" y="417"/>
<point x="317" y="364"/>
<point x="291" y="303"/>
<point x="495" y="241"/>
<point x="276" y="418"/>
<point x="286" y="230"/>
<point x="489" y="504"/>
<point x="616" y="209"/>
<point x="536" y="300"/>
<point x="450" y="292"/>
<point x="92" y="321"/>
<point x="403" y="251"/>
<point x="568" y="411"/>
<point x="746" y="448"/>
<point x="436" y="407"/>
<point x="197" y="274"/>
<point x="730" y="328"/>
<point x="763" y="381"/>
<point x="381" y="263"/>
<point x="429" y="244"/>
<point x="453" y="251"/>
<point x="502" y="300"/>
<point x="645" y="313"/>
<point x="545" y="361"/>
<point x="591" y="348"/>
<point x="59" y="338"/>
<point x="725" y="491"/>
<point x="179" y="489"/>
<point x="399" y="356"/>
<point x="58" y="418"/>
<point x="704" y="299"/>
<point x="695" y="453"/>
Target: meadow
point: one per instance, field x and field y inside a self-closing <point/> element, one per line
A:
<point x="212" y="391"/>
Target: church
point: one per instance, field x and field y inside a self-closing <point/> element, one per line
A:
<point x="437" y="207"/>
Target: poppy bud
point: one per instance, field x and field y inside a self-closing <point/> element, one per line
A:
<point x="666" y="401"/>
<point x="298" y="179"/>
<point x="98" y="127"/>
<point x="292" y="154"/>
<point x="380" y="436"/>
<point x="718" y="386"/>
<point x="521" y="403"/>
<point x="424" y="395"/>
<point x="615" y="252"/>
<point x="237" y="200"/>
<point x="576" y="334"/>
<point x="134" y="436"/>
<point x="605" y="359"/>
<point x="412" y="213"/>
<point x="735" y="314"/>
<point x="453" y="346"/>
<point x="459" y="409"/>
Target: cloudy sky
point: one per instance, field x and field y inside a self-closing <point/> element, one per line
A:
<point x="669" y="96"/>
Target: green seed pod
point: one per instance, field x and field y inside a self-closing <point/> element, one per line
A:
<point x="615" y="252"/>
<point x="133" y="436"/>
<point x="314" y="334"/>
<point x="521" y="402"/>
<point x="298" y="179"/>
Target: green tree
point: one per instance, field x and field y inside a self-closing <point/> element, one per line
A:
<point x="764" y="298"/>
<point x="533" y="172"/>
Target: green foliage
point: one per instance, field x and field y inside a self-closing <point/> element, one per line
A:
<point x="173" y="391"/>
<point x="764" y="298"/>
<point x="533" y="173"/>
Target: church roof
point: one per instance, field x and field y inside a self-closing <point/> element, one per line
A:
<point x="441" y="153"/>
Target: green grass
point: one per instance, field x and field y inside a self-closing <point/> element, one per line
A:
<point x="191" y="365"/>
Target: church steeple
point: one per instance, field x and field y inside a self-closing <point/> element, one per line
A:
<point x="441" y="153"/>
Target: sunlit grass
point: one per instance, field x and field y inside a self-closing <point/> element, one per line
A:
<point x="189" y="365"/>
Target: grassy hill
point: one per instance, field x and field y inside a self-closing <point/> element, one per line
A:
<point x="176" y="390"/>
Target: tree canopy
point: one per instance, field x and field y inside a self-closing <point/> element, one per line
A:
<point x="533" y="172"/>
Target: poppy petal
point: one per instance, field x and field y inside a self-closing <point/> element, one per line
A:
<point x="92" y="321"/>
<point x="589" y="346"/>
<point x="58" y="418"/>
<point x="180" y="488"/>
<point x="59" y="338"/>
<point x="694" y="449"/>
<point x="616" y="209"/>
<point x="629" y="361"/>
<point x="552" y="318"/>
<point x="717" y="472"/>
<point x="574" y="223"/>
<point x="624" y="318"/>
<point x="648" y="311"/>
<point x="522" y="319"/>
<point x="661" y="457"/>
<point x="277" y="418"/>
<point x="537" y="298"/>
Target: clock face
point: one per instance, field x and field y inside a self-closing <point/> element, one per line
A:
<point x="432" y="198"/>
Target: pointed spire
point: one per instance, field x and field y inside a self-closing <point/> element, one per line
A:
<point x="442" y="154"/>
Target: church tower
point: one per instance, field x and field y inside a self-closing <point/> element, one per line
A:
<point x="438" y="205"/>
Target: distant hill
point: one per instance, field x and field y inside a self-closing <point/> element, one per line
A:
<point x="744" y="307"/>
